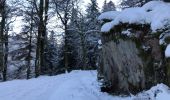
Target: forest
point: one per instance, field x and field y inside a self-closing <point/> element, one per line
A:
<point x="48" y="37"/>
<point x="117" y="51"/>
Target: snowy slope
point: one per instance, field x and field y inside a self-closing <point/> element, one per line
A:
<point x="77" y="85"/>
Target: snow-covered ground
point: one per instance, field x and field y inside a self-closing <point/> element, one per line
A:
<point x="77" y="85"/>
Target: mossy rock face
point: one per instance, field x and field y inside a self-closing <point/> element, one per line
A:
<point x="122" y="67"/>
<point x="128" y="67"/>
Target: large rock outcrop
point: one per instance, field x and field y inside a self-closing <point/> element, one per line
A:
<point x="129" y="64"/>
<point x="133" y="51"/>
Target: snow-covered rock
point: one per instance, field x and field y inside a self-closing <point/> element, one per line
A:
<point x="110" y="15"/>
<point x="158" y="92"/>
<point x="155" y="13"/>
<point x="107" y="27"/>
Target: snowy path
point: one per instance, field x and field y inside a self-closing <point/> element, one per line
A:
<point x="77" y="85"/>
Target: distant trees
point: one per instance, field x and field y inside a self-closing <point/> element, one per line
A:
<point x="110" y="6"/>
<point x="92" y="32"/>
<point x="51" y="54"/>
<point x="133" y="3"/>
<point x="63" y="9"/>
<point x="21" y="56"/>
<point x="35" y="50"/>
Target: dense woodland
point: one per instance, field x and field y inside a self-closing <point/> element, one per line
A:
<point x="39" y="49"/>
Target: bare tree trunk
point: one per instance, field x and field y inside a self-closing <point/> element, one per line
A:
<point x="66" y="53"/>
<point x="44" y="37"/>
<point x="39" y="63"/>
<point x="29" y="56"/>
<point x="5" y="57"/>
<point x="2" y="40"/>
<point x="37" y="60"/>
<point x="30" y="48"/>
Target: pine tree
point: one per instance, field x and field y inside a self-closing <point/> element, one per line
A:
<point x="64" y="10"/>
<point x="133" y="3"/>
<point x="80" y="43"/>
<point x="51" y="55"/>
<point x="110" y="6"/>
<point x="73" y="39"/>
<point x="92" y="14"/>
<point x="104" y="7"/>
<point x="92" y="34"/>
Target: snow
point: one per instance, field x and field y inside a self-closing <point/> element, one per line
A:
<point x="167" y="51"/>
<point x="127" y="32"/>
<point x="107" y="27"/>
<point x="160" y="18"/>
<point x="110" y="15"/>
<point x="132" y="15"/>
<point x="150" y="13"/>
<point x="99" y="44"/>
<point x="77" y="85"/>
<point x="158" y="92"/>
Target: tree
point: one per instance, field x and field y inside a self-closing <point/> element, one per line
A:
<point x="63" y="9"/>
<point x="20" y="58"/>
<point x="29" y="12"/>
<point x="110" y="6"/>
<point x="92" y="14"/>
<point x="92" y="32"/>
<point x="51" y="54"/>
<point x="41" y="38"/>
<point x="2" y="36"/>
<point x="133" y="3"/>
<point x="78" y="38"/>
<point x="6" y="13"/>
